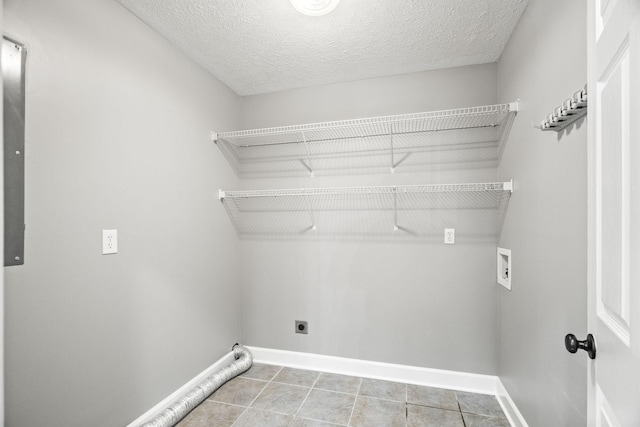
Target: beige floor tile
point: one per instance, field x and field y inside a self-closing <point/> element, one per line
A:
<point x="424" y="416"/>
<point x="472" y="420"/>
<point x="339" y="383"/>
<point x="238" y="391"/>
<point x="328" y="406"/>
<point x="296" y="377"/>
<point x="257" y="418"/>
<point x="479" y="404"/>
<point x="281" y="398"/>
<point x="260" y="371"/>
<point x="383" y="390"/>
<point x="430" y="396"/>
<point x="369" y="412"/>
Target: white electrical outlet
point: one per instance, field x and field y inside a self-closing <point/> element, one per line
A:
<point x="449" y="236"/>
<point x="109" y="242"/>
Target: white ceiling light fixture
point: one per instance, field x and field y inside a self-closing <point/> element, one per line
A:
<point x="314" y="7"/>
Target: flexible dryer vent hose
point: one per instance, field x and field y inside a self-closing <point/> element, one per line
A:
<point x="173" y="414"/>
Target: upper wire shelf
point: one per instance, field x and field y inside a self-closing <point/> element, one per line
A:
<point x="475" y="210"/>
<point x="409" y="141"/>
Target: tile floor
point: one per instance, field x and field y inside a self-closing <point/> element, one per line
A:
<point x="273" y="396"/>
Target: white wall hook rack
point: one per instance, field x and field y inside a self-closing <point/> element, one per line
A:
<point x="571" y="110"/>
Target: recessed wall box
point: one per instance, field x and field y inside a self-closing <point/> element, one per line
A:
<point x="302" y="327"/>
<point x="504" y="267"/>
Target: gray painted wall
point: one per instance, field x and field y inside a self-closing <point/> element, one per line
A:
<point x="118" y="126"/>
<point x="403" y="94"/>
<point x="546" y="227"/>
<point x="421" y="304"/>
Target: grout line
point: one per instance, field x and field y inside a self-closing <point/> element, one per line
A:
<point x="337" y="392"/>
<point x="260" y="379"/>
<point x="293" y="385"/>
<point x="406" y="396"/>
<point x="221" y="403"/>
<point x="254" y="399"/>
<point x="406" y="405"/>
<point x="460" y="410"/>
<point x="276" y="374"/>
<point x="354" y="403"/>
<point x="320" y="421"/>
<point x="211" y="397"/>
<point x="308" y="393"/>
<point x="422" y="405"/>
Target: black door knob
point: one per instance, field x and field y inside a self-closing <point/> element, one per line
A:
<point x="573" y="345"/>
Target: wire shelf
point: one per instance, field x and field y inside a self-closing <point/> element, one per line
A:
<point x="379" y="143"/>
<point x="476" y="210"/>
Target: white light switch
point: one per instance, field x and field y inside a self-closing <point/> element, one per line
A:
<point x="109" y="242"/>
<point x="449" y="236"/>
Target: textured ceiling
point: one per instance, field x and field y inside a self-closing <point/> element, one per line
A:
<point x="261" y="46"/>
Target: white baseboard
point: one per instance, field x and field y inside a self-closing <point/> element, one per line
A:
<point x="182" y="391"/>
<point x="475" y="383"/>
<point x="508" y="407"/>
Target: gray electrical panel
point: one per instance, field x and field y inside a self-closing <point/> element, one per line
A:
<point x="14" y="57"/>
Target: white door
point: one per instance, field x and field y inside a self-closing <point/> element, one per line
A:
<point x="614" y="211"/>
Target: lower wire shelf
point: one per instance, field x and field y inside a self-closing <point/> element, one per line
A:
<point x="476" y="210"/>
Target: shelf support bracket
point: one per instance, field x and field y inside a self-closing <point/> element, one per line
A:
<point x="395" y="209"/>
<point x="313" y="221"/>
<point x="306" y="146"/>
<point x="508" y="186"/>
<point x="393" y="165"/>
